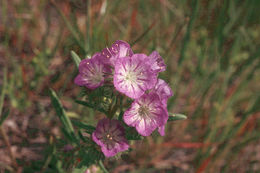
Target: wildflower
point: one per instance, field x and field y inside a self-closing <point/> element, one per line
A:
<point x="133" y="76"/>
<point x="163" y="90"/>
<point x="146" y="114"/>
<point x="117" y="50"/>
<point x="110" y="135"/>
<point x="92" y="72"/>
<point x="156" y="62"/>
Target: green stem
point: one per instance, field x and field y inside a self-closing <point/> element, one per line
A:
<point x="102" y="167"/>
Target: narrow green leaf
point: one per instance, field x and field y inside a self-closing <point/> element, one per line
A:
<point x="75" y="58"/>
<point x="255" y="107"/>
<point x="102" y="166"/>
<point x="90" y="129"/>
<point x="195" y="7"/>
<point x="143" y="34"/>
<point x="62" y="115"/>
<point x="120" y="117"/>
<point x="2" y="95"/>
<point x="244" y="65"/>
<point x="66" y="134"/>
<point x="84" y="103"/>
<point x="3" y="117"/>
<point x="90" y="106"/>
<point x="174" y="117"/>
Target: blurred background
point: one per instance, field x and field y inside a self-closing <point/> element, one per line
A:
<point x="212" y="52"/>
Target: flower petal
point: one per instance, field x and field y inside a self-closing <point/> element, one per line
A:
<point x="161" y="130"/>
<point x="118" y="49"/>
<point x="156" y="62"/>
<point x="163" y="90"/>
<point x="116" y="149"/>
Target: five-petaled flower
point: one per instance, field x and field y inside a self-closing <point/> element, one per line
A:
<point x="110" y="136"/>
<point x="146" y="114"/>
<point x="133" y="75"/>
<point x="92" y="72"/>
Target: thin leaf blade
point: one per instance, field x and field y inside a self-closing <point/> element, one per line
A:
<point x="89" y="129"/>
<point x="175" y="117"/>
<point x="67" y="125"/>
<point x="75" y="58"/>
<point x="4" y="116"/>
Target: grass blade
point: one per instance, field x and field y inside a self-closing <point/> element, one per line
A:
<point x="143" y="34"/>
<point x="75" y="58"/>
<point x="187" y="35"/>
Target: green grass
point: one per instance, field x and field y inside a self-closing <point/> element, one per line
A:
<point x="212" y="54"/>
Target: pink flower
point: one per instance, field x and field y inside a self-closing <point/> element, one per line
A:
<point x="92" y="72"/>
<point x="146" y="114"/>
<point x="133" y="75"/>
<point x="110" y="135"/>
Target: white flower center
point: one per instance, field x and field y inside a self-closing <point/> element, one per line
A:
<point x="130" y="76"/>
<point x="98" y="77"/>
<point x="144" y="111"/>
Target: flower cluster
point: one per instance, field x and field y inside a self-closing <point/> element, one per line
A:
<point x="135" y="76"/>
